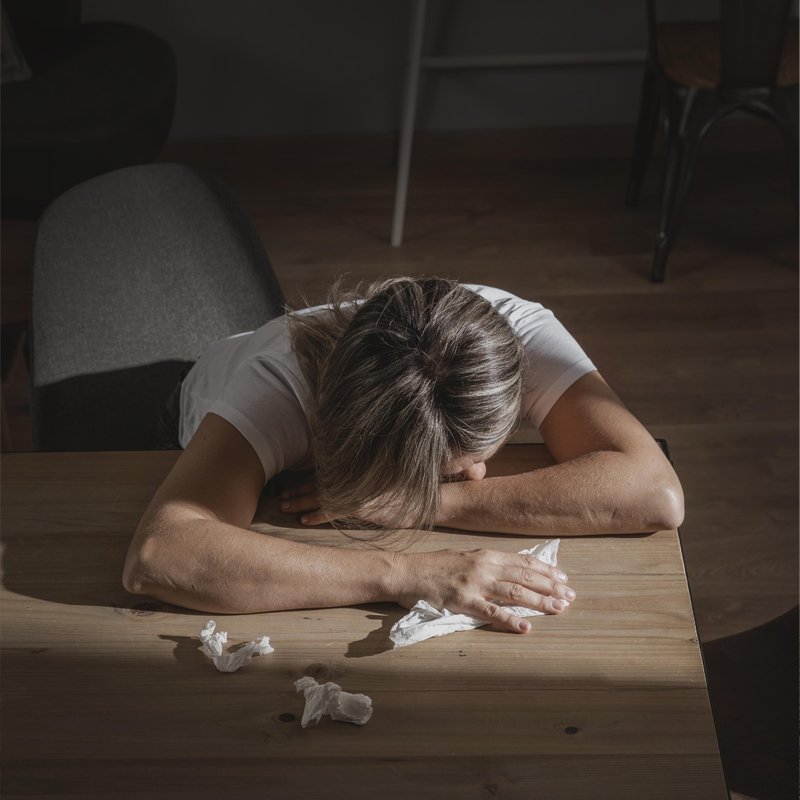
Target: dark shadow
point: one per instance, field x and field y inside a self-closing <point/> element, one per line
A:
<point x="752" y="683"/>
<point x="377" y="640"/>
<point x="187" y="651"/>
<point x="137" y="606"/>
<point x="115" y="410"/>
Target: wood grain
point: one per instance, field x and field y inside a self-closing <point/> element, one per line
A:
<point x="105" y="694"/>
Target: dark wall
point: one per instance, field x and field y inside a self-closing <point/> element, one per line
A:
<point x="252" y="67"/>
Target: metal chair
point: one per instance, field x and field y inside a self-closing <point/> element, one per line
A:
<point x="699" y="72"/>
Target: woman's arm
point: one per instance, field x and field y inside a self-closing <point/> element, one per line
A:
<point x="610" y="476"/>
<point x="192" y="548"/>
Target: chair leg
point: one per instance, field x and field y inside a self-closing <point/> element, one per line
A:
<point x="686" y="125"/>
<point x="649" y="113"/>
<point x="669" y="180"/>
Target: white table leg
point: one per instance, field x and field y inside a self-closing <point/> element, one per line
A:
<point x="407" y="124"/>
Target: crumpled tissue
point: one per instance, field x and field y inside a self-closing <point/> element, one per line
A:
<point x="329" y="698"/>
<point x="213" y="643"/>
<point x="424" y="621"/>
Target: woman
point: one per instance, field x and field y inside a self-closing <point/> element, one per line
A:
<point x="390" y="398"/>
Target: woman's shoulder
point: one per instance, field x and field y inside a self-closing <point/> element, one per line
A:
<point x="506" y="303"/>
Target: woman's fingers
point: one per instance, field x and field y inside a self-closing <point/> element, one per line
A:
<point x="537" y="565"/>
<point x="522" y="580"/>
<point x="316" y="517"/>
<point x="543" y="583"/>
<point x="306" y="502"/>
<point x="516" y="594"/>
<point x="500" y="617"/>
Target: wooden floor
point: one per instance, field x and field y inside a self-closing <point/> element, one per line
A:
<point x="707" y="360"/>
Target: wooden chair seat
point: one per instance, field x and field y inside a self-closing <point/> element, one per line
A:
<point x="690" y="54"/>
<point x="700" y="72"/>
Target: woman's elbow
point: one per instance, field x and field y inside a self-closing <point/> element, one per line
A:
<point x="653" y="502"/>
<point x="132" y="581"/>
<point x="666" y="509"/>
<point x="139" y="569"/>
<point x="671" y="511"/>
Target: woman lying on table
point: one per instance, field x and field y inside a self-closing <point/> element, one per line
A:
<point x="389" y="398"/>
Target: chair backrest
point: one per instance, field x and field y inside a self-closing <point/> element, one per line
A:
<point x="752" y="33"/>
<point x="752" y="36"/>
<point x="136" y="272"/>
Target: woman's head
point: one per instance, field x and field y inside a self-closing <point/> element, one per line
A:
<point x="421" y="379"/>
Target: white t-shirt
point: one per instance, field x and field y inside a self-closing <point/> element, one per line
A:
<point x="254" y="380"/>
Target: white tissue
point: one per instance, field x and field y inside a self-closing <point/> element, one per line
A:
<point x="213" y="643"/>
<point x="424" y="621"/>
<point x="328" y="698"/>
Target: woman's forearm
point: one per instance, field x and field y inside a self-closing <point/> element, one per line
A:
<point x="211" y="566"/>
<point x="601" y="492"/>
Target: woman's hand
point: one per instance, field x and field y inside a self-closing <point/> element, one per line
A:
<point x="476" y="581"/>
<point x="299" y="496"/>
<point x="302" y="499"/>
<point x="298" y="492"/>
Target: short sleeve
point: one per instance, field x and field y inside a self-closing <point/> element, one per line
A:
<point x="266" y="411"/>
<point x="553" y="362"/>
<point x="553" y="359"/>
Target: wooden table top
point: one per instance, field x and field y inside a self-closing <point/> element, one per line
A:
<point x="105" y="694"/>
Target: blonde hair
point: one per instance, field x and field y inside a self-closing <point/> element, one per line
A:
<point x="404" y="377"/>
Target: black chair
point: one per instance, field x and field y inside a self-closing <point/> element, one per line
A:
<point x="699" y="72"/>
<point x="135" y="273"/>
<point x="101" y="96"/>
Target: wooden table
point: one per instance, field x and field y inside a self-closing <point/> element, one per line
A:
<point x="106" y="695"/>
